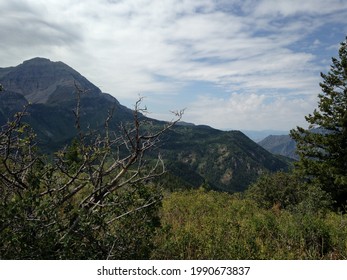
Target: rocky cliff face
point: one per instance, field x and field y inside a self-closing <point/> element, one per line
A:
<point x="11" y="102"/>
<point x="40" y="80"/>
<point x="50" y="88"/>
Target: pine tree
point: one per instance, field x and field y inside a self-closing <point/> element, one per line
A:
<point x="323" y="146"/>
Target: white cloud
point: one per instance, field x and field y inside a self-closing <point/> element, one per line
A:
<point x="250" y="111"/>
<point x="159" y="47"/>
<point x="295" y="7"/>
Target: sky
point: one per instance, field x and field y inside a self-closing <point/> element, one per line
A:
<point x="231" y="64"/>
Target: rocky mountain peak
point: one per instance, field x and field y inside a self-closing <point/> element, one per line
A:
<point x="37" y="61"/>
<point x="41" y="80"/>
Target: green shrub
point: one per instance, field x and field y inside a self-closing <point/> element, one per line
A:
<point x="288" y="191"/>
<point x="202" y="224"/>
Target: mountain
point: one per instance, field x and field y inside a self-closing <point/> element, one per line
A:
<point x="194" y="155"/>
<point x="284" y="145"/>
<point x="40" y="80"/>
<point x="225" y="160"/>
<point x="258" y="135"/>
<point x="51" y="89"/>
<point x="281" y="145"/>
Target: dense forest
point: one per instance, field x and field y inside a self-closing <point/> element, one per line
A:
<point x="105" y="196"/>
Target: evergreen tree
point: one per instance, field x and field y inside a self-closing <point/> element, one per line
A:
<point x="323" y="146"/>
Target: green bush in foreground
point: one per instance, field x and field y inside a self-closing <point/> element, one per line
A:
<point x="209" y="225"/>
<point x="94" y="199"/>
<point x="288" y="191"/>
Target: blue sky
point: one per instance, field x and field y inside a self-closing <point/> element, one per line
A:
<point x="234" y="64"/>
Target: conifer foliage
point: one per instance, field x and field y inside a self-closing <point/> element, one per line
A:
<point x="323" y="146"/>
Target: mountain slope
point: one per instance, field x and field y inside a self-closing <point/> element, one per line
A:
<point x="194" y="155"/>
<point x="280" y="145"/>
<point x="51" y="89"/>
<point x="40" y="80"/>
<point x="227" y="161"/>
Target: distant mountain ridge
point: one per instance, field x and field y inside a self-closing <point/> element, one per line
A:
<point x="280" y="145"/>
<point x="194" y="154"/>
<point x="284" y="145"/>
<point x="258" y="135"/>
